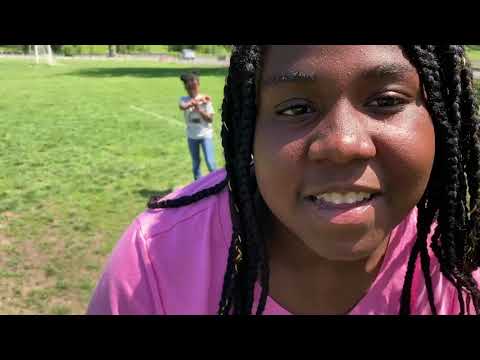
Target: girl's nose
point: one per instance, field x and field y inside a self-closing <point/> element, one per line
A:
<point x="342" y="136"/>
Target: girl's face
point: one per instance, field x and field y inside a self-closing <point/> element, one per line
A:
<point x="344" y="145"/>
<point x="192" y="87"/>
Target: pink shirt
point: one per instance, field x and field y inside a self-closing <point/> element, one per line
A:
<point x="172" y="261"/>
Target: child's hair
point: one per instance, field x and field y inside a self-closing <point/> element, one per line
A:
<point x="194" y="75"/>
<point x="447" y="80"/>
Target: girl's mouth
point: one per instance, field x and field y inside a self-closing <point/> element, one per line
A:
<point x="337" y="200"/>
<point x="344" y="208"/>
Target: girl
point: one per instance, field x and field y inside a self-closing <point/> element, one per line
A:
<point x="351" y="187"/>
<point x="199" y="113"/>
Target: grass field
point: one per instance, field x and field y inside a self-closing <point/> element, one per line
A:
<point x="83" y="145"/>
<point x="103" y="49"/>
<point x="473" y="53"/>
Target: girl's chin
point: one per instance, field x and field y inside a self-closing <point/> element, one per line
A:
<point x="347" y="249"/>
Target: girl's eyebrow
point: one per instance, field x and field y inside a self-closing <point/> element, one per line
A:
<point x="394" y="71"/>
<point x="390" y="70"/>
<point x="289" y="76"/>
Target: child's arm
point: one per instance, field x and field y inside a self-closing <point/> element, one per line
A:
<point x="208" y="117"/>
<point x="208" y="113"/>
<point x="184" y="105"/>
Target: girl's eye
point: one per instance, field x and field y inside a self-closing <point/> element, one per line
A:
<point x="387" y="102"/>
<point x="296" y="110"/>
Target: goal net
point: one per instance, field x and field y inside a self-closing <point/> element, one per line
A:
<point x="43" y="53"/>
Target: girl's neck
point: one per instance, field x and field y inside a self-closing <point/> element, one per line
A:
<point x="303" y="282"/>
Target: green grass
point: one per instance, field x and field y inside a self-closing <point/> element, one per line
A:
<point x="158" y="48"/>
<point x="96" y="49"/>
<point x="10" y="48"/>
<point x="84" y="144"/>
<point x="103" y="49"/>
<point x="473" y="52"/>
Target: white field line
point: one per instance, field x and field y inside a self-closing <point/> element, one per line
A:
<point x="168" y="119"/>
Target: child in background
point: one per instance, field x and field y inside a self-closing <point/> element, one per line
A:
<point x="351" y="186"/>
<point x="199" y="113"/>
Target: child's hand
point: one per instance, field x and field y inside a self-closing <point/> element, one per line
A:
<point x="196" y="103"/>
<point x="204" y="100"/>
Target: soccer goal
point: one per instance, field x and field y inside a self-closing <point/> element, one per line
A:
<point x="43" y="53"/>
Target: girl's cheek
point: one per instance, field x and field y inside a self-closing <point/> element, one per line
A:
<point x="406" y="155"/>
<point x="292" y="152"/>
<point x="280" y="138"/>
<point x="279" y="153"/>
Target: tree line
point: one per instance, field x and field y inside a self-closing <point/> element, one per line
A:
<point x="113" y="50"/>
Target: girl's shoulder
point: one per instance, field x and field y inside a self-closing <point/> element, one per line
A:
<point x="168" y="259"/>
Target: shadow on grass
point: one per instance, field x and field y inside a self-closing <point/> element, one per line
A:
<point x="147" y="72"/>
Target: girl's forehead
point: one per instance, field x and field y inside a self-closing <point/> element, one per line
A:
<point x="330" y="58"/>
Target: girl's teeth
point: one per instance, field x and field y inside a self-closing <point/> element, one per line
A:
<point x="337" y="198"/>
<point x="345" y="198"/>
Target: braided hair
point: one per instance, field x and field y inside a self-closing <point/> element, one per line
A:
<point x="446" y="77"/>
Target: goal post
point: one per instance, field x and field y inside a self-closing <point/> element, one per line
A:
<point x="43" y="53"/>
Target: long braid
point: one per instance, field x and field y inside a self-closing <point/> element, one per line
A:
<point x="450" y="61"/>
<point x="240" y="104"/>
<point x="231" y="108"/>
<point x="423" y="225"/>
<point x="469" y="110"/>
<point x="407" y="283"/>
<point x="264" y="267"/>
<point x="457" y="63"/>
<point x="155" y="202"/>
<point x="245" y="146"/>
<point x="425" y="219"/>
<point x="452" y="90"/>
<point x="449" y="132"/>
<point x="445" y="133"/>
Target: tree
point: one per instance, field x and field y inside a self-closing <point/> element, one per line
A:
<point x="57" y="49"/>
<point x="112" y="50"/>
